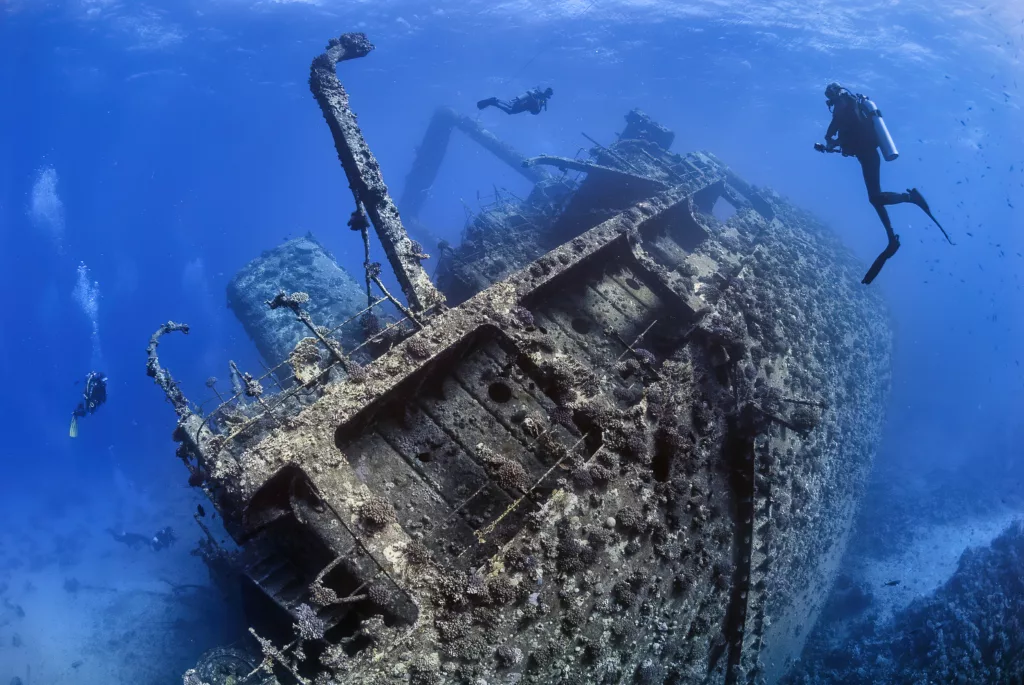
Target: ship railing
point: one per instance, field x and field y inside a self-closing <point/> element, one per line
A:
<point x="251" y="404"/>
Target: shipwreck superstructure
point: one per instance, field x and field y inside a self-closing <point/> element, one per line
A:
<point x="616" y="441"/>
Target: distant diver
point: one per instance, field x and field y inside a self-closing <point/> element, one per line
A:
<point x="93" y="395"/>
<point x="533" y="101"/>
<point x="162" y="539"/>
<point x="861" y="132"/>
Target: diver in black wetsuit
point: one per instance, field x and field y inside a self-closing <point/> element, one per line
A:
<point x="93" y="395"/>
<point x="857" y="138"/>
<point x="162" y="539"/>
<point x="533" y="102"/>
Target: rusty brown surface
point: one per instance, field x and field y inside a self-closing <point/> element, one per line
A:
<point x="363" y="170"/>
<point x="632" y="456"/>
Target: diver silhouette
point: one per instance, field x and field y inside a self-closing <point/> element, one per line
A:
<point x="533" y="101"/>
<point x="857" y="130"/>
<point x="93" y="395"/>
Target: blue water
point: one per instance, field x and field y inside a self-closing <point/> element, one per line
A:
<point x="147" y="152"/>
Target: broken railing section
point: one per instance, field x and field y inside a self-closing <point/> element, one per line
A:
<point x="250" y="409"/>
<point x="363" y="171"/>
<point x="294" y="303"/>
<point x="431" y="152"/>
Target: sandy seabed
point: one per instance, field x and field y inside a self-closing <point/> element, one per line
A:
<point x="77" y="607"/>
<point x="927" y="563"/>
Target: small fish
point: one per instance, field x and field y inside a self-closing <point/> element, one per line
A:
<point x="891" y="583"/>
<point x="77" y="663"/>
<point x="199" y="508"/>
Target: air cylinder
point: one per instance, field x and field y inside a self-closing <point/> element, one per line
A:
<point x="884" y="140"/>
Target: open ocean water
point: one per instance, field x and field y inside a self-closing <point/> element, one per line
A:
<point x="148" y="151"/>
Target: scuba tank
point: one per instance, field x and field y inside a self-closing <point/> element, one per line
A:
<point x="869" y="109"/>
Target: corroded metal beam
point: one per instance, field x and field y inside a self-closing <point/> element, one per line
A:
<point x="564" y="163"/>
<point x="162" y="376"/>
<point x="432" y="150"/>
<point x="363" y="170"/>
<point x="196" y="438"/>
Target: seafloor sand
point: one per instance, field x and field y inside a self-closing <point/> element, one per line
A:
<point x="77" y="607"/>
<point x="926" y="563"/>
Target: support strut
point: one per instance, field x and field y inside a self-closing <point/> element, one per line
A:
<point x="432" y="149"/>
<point x="363" y="171"/>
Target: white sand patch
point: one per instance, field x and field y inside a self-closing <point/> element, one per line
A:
<point x="79" y="608"/>
<point x="112" y="629"/>
<point x="927" y="563"/>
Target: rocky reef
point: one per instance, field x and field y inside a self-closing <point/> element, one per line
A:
<point x="969" y="631"/>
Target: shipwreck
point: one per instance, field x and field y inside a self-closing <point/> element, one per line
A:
<point x="614" y="439"/>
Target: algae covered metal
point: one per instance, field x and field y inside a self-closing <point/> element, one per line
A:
<point x="618" y="441"/>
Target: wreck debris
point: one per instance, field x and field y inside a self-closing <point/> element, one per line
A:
<point x="614" y="175"/>
<point x="359" y="222"/>
<point x="294" y="302"/>
<point x="431" y="152"/>
<point x="211" y="383"/>
<point x="162" y="376"/>
<point x="298" y="265"/>
<point x="639" y="126"/>
<point x="621" y="161"/>
<point x="583" y="471"/>
<point x="195" y="437"/>
<point x="373" y="274"/>
<point x="273" y="657"/>
<point x="363" y="171"/>
<point x="226" y="666"/>
<point x="236" y="381"/>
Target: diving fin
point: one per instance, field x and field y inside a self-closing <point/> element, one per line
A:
<point x="918" y="199"/>
<point x="74" y="427"/>
<point x="486" y="103"/>
<point x="881" y="259"/>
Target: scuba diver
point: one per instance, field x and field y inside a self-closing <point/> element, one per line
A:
<point x="861" y="132"/>
<point x="532" y="101"/>
<point x="162" y="539"/>
<point x="94" y="394"/>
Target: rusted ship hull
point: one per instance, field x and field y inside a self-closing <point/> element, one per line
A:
<point x="631" y="459"/>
